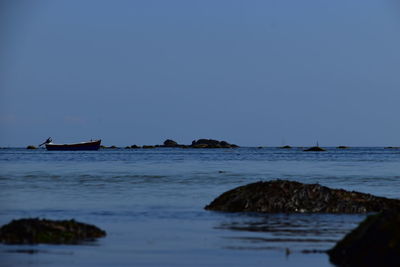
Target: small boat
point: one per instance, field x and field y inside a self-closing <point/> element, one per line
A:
<point x="90" y="145"/>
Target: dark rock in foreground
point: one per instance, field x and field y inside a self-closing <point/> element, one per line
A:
<point x="35" y="231"/>
<point x="375" y="242"/>
<point x="211" y="143"/>
<point x="294" y="197"/>
<point x="315" y="148"/>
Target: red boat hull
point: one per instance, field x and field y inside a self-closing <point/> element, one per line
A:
<point x="92" y="145"/>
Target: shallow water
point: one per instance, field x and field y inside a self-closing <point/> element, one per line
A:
<point x="151" y="202"/>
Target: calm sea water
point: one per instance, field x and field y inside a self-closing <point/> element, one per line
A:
<point x="151" y="202"/>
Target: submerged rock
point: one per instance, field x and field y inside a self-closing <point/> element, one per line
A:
<point x="35" y="231"/>
<point x="375" y="242"/>
<point x="294" y="197"/>
<point x="315" y="148"/>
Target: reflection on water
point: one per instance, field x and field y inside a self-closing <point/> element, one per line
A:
<point x="294" y="232"/>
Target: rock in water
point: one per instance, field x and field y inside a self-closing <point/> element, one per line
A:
<point x="315" y="148"/>
<point x="211" y="143"/>
<point x="294" y="197"/>
<point x="35" y="231"/>
<point x="170" y="143"/>
<point x="375" y="242"/>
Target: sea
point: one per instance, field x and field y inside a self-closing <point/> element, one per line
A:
<point x="151" y="203"/>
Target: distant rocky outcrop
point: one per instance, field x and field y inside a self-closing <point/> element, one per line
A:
<point x="108" y="147"/>
<point x="132" y="147"/>
<point x="170" y="143"/>
<point x="315" y="148"/>
<point x="35" y="231"/>
<point x="375" y="242"/>
<point x="148" y="147"/>
<point x="294" y="197"/>
<point x="211" y="143"/>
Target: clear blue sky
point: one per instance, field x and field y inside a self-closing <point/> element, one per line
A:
<point x="249" y="72"/>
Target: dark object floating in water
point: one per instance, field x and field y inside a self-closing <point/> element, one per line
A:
<point x="392" y="147"/>
<point x="375" y="242"/>
<point x="35" y="231"/>
<point x="285" y="147"/>
<point x="315" y="148"/>
<point x="90" y="145"/>
<point x="31" y="147"/>
<point x="342" y="147"/>
<point x="294" y="197"/>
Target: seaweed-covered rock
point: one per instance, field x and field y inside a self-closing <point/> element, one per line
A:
<point x="294" y="197"/>
<point x="211" y="143"/>
<point x="315" y="148"/>
<point x="375" y="242"/>
<point x="35" y="231"/>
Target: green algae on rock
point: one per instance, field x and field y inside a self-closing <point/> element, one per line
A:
<point x="36" y="231"/>
<point x="294" y="197"/>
